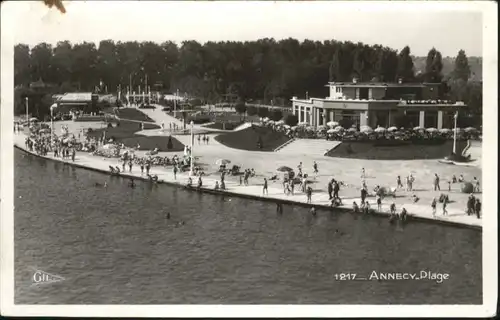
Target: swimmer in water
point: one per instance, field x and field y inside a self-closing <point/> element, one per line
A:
<point x="131" y="184"/>
<point x="313" y="211"/>
<point x="168" y="215"/>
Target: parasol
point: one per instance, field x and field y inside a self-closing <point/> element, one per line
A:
<point x="222" y="162"/>
<point x="284" y="169"/>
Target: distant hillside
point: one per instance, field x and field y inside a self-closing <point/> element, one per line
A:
<point x="475" y="63"/>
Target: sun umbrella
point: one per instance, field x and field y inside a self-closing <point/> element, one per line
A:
<point x="366" y="129"/>
<point x="294" y="128"/>
<point x="444" y="130"/>
<point x="222" y="162"/>
<point x="380" y="129"/>
<point x="470" y="129"/>
<point x="352" y="130"/>
<point x="284" y="169"/>
<point x="280" y="122"/>
<point x="418" y="128"/>
<point x="310" y="128"/>
<point x="331" y="131"/>
<point x="391" y="129"/>
<point x="338" y="129"/>
<point x="431" y="130"/>
<point x="332" y="124"/>
<point x="265" y="119"/>
<point x="302" y="124"/>
<point x="459" y="129"/>
<point x="286" y="126"/>
<point x="33" y="119"/>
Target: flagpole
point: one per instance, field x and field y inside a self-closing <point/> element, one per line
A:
<point x="455" y="134"/>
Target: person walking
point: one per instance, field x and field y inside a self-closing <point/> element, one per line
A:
<point x="309" y="194"/>
<point x="445" y="202"/>
<point x="477" y="208"/>
<point x="264" y="189"/>
<point x="315" y="168"/>
<point x="148" y="166"/>
<point x="364" y="193"/>
<point x="336" y="189"/>
<point x="399" y="183"/>
<point x="436" y="182"/>
<point x="73" y="154"/>
<point x="379" y="202"/>
<point x="477" y="187"/>
<point x="130" y="165"/>
<point x="330" y="189"/>
<point x="175" y="172"/>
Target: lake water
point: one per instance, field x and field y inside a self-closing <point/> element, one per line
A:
<point x="115" y="246"/>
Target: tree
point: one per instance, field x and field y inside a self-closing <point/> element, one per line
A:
<point x="346" y="123"/>
<point x="433" y="66"/>
<point x="405" y="65"/>
<point x="291" y="120"/>
<point x="276" y="115"/>
<point x="460" y="77"/>
<point x="240" y="108"/>
<point x="334" y="70"/>
<point x="462" y="69"/>
<point x="22" y="66"/>
<point x="262" y="112"/>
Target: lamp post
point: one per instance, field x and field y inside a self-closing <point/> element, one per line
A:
<point x="176" y="95"/>
<point x="52" y="121"/>
<point x="27" y="117"/>
<point x="191" y="162"/>
<point x="455" y="133"/>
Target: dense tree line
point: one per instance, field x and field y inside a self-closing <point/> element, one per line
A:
<point x="266" y="70"/>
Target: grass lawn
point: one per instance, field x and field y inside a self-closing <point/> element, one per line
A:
<point x="247" y="139"/>
<point x="367" y="150"/>
<point x="132" y="114"/>
<point x="125" y="133"/>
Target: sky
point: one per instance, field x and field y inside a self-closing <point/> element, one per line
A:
<point x="447" y="27"/>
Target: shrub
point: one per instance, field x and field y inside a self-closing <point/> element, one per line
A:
<point x="262" y="112"/>
<point x="346" y="123"/>
<point x="251" y="110"/>
<point x="467" y="187"/>
<point x="276" y="115"/>
<point x="291" y="120"/>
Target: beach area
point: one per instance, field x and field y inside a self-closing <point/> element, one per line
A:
<point x="377" y="172"/>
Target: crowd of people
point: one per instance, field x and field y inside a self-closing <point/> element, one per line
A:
<point x="354" y="134"/>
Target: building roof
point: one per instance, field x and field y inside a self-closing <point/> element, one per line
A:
<point x="76" y="96"/>
<point x="381" y="84"/>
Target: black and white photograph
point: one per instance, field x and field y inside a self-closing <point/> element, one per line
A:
<point x="249" y="158"/>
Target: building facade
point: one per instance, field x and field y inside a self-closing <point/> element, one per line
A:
<point x="378" y="104"/>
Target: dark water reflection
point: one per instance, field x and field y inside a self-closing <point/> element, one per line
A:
<point x="115" y="245"/>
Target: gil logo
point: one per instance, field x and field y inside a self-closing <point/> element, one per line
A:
<point x="42" y="277"/>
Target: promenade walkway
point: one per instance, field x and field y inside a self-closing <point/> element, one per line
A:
<point x="346" y="170"/>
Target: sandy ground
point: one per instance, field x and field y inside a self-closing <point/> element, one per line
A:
<point x="378" y="172"/>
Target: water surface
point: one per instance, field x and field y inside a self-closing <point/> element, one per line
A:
<point x="115" y="246"/>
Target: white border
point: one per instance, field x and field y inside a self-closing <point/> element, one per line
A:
<point x="490" y="66"/>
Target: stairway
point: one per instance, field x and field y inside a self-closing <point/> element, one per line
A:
<point x="309" y="146"/>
